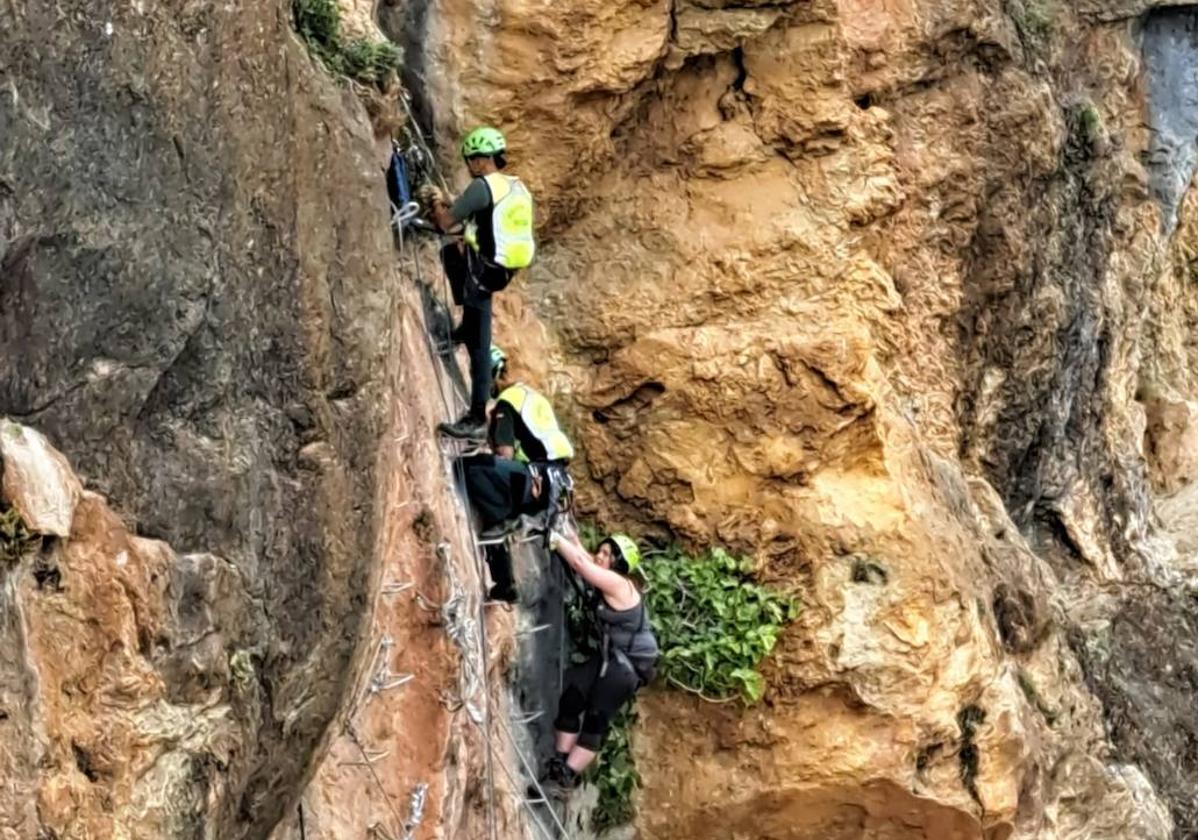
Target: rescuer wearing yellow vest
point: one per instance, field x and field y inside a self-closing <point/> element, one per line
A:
<point x="523" y="431"/>
<point x="497" y="213"/>
<point x="523" y="425"/>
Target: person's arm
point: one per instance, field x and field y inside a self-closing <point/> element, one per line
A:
<point x="475" y="199"/>
<point x="503" y="430"/>
<point x="580" y="560"/>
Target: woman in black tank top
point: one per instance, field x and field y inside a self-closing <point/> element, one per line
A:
<point x="596" y="690"/>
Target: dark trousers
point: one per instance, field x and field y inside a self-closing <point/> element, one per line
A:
<point x="499" y="561"/>
<point x="476" y="332"/>
<point x="465" y="272"/>
<point x="590" y="701"/>
<point x="499" y="489"/>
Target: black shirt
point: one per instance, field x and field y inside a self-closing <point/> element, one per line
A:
<point x="509" y="429"/>
<point x="476" y="204"/>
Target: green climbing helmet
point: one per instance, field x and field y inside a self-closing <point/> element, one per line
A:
<point x="484" y="140"/>
<point x="498" y="362"/>
<point x="626" y="548"/>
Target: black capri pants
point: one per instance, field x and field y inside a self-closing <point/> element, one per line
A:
<point x="589" y="701"/>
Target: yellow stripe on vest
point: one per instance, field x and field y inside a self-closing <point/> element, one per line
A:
<point x="537" y="414"/>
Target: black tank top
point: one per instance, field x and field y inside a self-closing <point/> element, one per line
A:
<point x="627" y="630"/>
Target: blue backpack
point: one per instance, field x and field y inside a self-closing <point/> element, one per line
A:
<point x="399" y="187"/>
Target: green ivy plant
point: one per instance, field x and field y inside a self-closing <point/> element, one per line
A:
<point x="614" y="775"/>
<point x="319" y="23"/>
<point x="714" y="625"/>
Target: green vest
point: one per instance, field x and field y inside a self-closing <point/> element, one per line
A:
<point x="538" y="417"/>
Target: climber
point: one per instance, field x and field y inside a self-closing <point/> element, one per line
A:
<point x="596" y="689"/>
<point x="496" y="211"/>
<point x="501" y="489"/>
<point x="523" y="425"/>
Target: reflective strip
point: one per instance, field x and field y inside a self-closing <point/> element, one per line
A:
<point x="537" y="414"/>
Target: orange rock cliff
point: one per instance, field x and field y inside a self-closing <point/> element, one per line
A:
<point x="894" y="285"/>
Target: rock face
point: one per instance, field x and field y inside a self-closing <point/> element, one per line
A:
<point x="860" y="282"/>
<point x="197" y="292"/>
<point x="895" y="296"/>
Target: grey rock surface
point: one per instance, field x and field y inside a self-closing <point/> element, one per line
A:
<point x="1170" y="47"/>
<point x="195" y="287"/>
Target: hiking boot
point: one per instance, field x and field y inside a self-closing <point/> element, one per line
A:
<point x="504" y="594"/>
<point x="466" y="428"/>
<point x="557" y="782"/>
<point x="560" y="780"/>
<point x="496" y="533"/>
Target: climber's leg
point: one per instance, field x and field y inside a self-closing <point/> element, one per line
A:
<point x="453" y="260"/>
<point x="578" y="681"/>
<point x="475" y="331"/>
<point x="488" y="490"/>
<point x="499" y="561"/>
<point x="478" y="342"/>
<point x="610" y="692"/>
<point x="499" y="489"/>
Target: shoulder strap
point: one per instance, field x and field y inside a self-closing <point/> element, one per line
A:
<point x="499" y="186"/>
<point x="515" y="395"/>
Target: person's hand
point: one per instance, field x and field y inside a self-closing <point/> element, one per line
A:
<point x="568" y="533"/>
<point x="442" y="218"/>
<point x="555" y="540"/>
<point x="430" y="195"/>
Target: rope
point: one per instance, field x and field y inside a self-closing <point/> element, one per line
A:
<point x="536" y="784"/>
<point x="427" y="153"/>
<point x="460" y="628"/>
<point x="415" y="810"/>
<point x="400" y="216"/>
<point x="482" y="623"/>
<point x="404" y="98"/>
<point x="544" y="832"/>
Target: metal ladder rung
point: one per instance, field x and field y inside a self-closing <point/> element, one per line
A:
<point x="540" y="628"/>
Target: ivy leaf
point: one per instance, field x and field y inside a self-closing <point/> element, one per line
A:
<point x="752" y="684"/>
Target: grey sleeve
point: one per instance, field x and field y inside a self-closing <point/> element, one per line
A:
<point x="475" y="199"/>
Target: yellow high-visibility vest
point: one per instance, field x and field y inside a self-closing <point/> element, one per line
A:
<point x="538" y="416"/>
<point x="511" y="222"/>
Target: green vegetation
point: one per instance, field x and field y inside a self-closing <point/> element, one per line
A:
<point x="615" y="775"/>
<point x="16" y="540"/>
<point x="319" y="23"/>
<point x="1087" y="125"/>
<point x="714" y="624"/>
<point x="1089" y="121"/>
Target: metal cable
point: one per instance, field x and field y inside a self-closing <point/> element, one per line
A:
<point x="419" y="136"/>
<point x="544" y="831"/>
<point x="460" y="476"/>
<point x="353" y="736"/>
